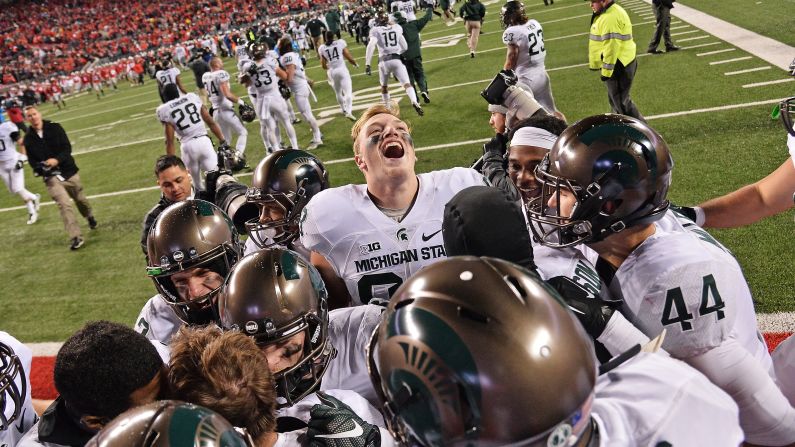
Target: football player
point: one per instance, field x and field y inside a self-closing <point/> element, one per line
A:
<point x="333" y="54"/>
<point x="282" y="184"/>
<point x="391" y="44"/>
<point x="296" y="79"/>
<point x="406" y="7"/>
<point x="279" y="300"/>
<point x="478" y="351"/>
<point x="101" y="371"/>
<point x="11" y="163"/>
<point x="16" y="410"/>
<point x="192" y="246"/>
<point x="96" y="82"/>
<point x="526" y="53"/>
<point x="391" y="226"/>
<point x="169" y="423"/>
<point x="216" y="82"/>
<point x="605" y="183"/>
<point x="56" y="94"/>
<point x="185" y="116"/>
<point x="167" y="74"/>
<point x="262" y="73"/>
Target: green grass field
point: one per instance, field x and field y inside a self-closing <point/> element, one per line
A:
<point x="49" y="291"/>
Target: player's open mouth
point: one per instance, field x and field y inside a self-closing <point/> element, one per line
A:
<point x="393" y="149"/>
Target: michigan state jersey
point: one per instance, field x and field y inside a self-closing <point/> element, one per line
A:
<point x="568" y="270"/>
<point x="167" y="76"/>
<point x="212" y="81"/>
<point x="185" y="114"/>
<point x="298" y="84"/>
<point x="406" y="8"/>
<point x="264" y="81"/>
<point x="8" y="146"/>
<point x="371" y="252"/>
<point x="784" y="363"/>
<point x="389" y="40"/>
<point x="241" y="53"/>
<point x="529" y="38"/>
<point x="656" y="401"/>
<point x="27" y="416"/>
<point x="333" y="53"/>
<point x="683" y="280"/>
<point x="157" y="321"/>
<point x="349" y="331"/>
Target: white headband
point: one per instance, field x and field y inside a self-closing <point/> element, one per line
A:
<point x="533" y="136"/>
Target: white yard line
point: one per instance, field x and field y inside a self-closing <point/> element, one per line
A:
<point x="710" y="53"/>
<point x="679" y="27"/>
<point x="693" y="38"/>
<point x="682" y="33"/>
<point x="728" y="61"/>
<point x="750" y="70"/>
<point x="762" y="84"/>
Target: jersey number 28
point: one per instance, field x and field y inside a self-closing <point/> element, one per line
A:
<point x="179" y="116"/>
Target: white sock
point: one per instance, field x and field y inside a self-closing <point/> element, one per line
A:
<point x="412" y="95"/>
<point x="385" y="98"/>
<point x="27" y="195"/>
<point x="31" y="207"/>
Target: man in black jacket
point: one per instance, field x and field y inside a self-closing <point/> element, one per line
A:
<point x="50" y="155"/>
<point x="175" y="184"/>
<point x="662" y="16"/>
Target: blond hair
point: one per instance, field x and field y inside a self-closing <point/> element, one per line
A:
<point x="225" y="372"/>
<point x="390" y="109"/>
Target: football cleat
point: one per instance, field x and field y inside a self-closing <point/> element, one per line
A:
<point x="92" y="223"/>
<point x="314" y="145"/>
<point x="418" y="108"/>
<point x="350" y="116"/>
<point x="77" y="242"/>
<point x="32" y="218"/>
<point x="425" y="97"/>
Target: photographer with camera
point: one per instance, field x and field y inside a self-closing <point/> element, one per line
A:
<point x="50" y="155"/>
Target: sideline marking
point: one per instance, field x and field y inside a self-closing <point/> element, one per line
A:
<point x="750" y="70"/>
<point x="709" y="53"/>
<point x="762" y="84"/>
<point x="744" y="58"/>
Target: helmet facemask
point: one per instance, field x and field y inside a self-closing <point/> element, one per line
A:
<point x="787" y="112"/>
<point x="199" y="310"/>
<point x="297" y="381"/>
<point x="11" y="395"/>
<point x="280" y="231"/>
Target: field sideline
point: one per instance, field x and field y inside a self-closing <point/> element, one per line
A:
<point x="710" y="101"/>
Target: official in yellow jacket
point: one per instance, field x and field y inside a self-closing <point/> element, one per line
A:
<point x="611" y="50"/>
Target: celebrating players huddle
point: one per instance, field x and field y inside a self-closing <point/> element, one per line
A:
<point x="551" y="297"/>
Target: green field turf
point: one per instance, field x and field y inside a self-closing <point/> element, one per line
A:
<point x="49" y="291"/>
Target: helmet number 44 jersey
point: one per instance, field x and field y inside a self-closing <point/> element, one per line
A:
<point x="530" y="40"/>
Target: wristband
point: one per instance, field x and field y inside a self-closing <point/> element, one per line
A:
<point x="700" y="216"/>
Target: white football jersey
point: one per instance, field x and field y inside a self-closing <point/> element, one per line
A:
<point x="530" y="40"/>
<point x="157" y="321"/>
<point x="299" y="32"/>
<point x="27" y="416"/>
<point x="168" y="76"/>
<point x="298" y="83"/>
<point x="333" y="53"/>
<point x="371" y="252"/>
<point x="388" y="39"/>
<point x="683" y="280"/>
<point x="572" y="264"/>
<point x="8" y="147"/>
<point x="406" y="8"/>
<point x="265" y="82"/>
<point x="241" y="53"/>
<point x="212" y="81"/>
<point x="349" y="331"/>
<point x="791" y="147"/>
<point x="653" y="400"/>
<point x="185" y="114"/>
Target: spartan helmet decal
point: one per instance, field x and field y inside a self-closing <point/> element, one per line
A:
<point x="462" y="340"/>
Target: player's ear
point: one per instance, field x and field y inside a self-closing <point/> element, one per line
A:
<point x="359" y="160"/>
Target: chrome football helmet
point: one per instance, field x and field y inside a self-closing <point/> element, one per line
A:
<point x="12" y="396"/>
<point x="283" y="181"/>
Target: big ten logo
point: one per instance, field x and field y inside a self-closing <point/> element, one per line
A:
<point x="369" y="248"/>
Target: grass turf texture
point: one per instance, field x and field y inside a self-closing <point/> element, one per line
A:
<point x="49" y="291"/>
